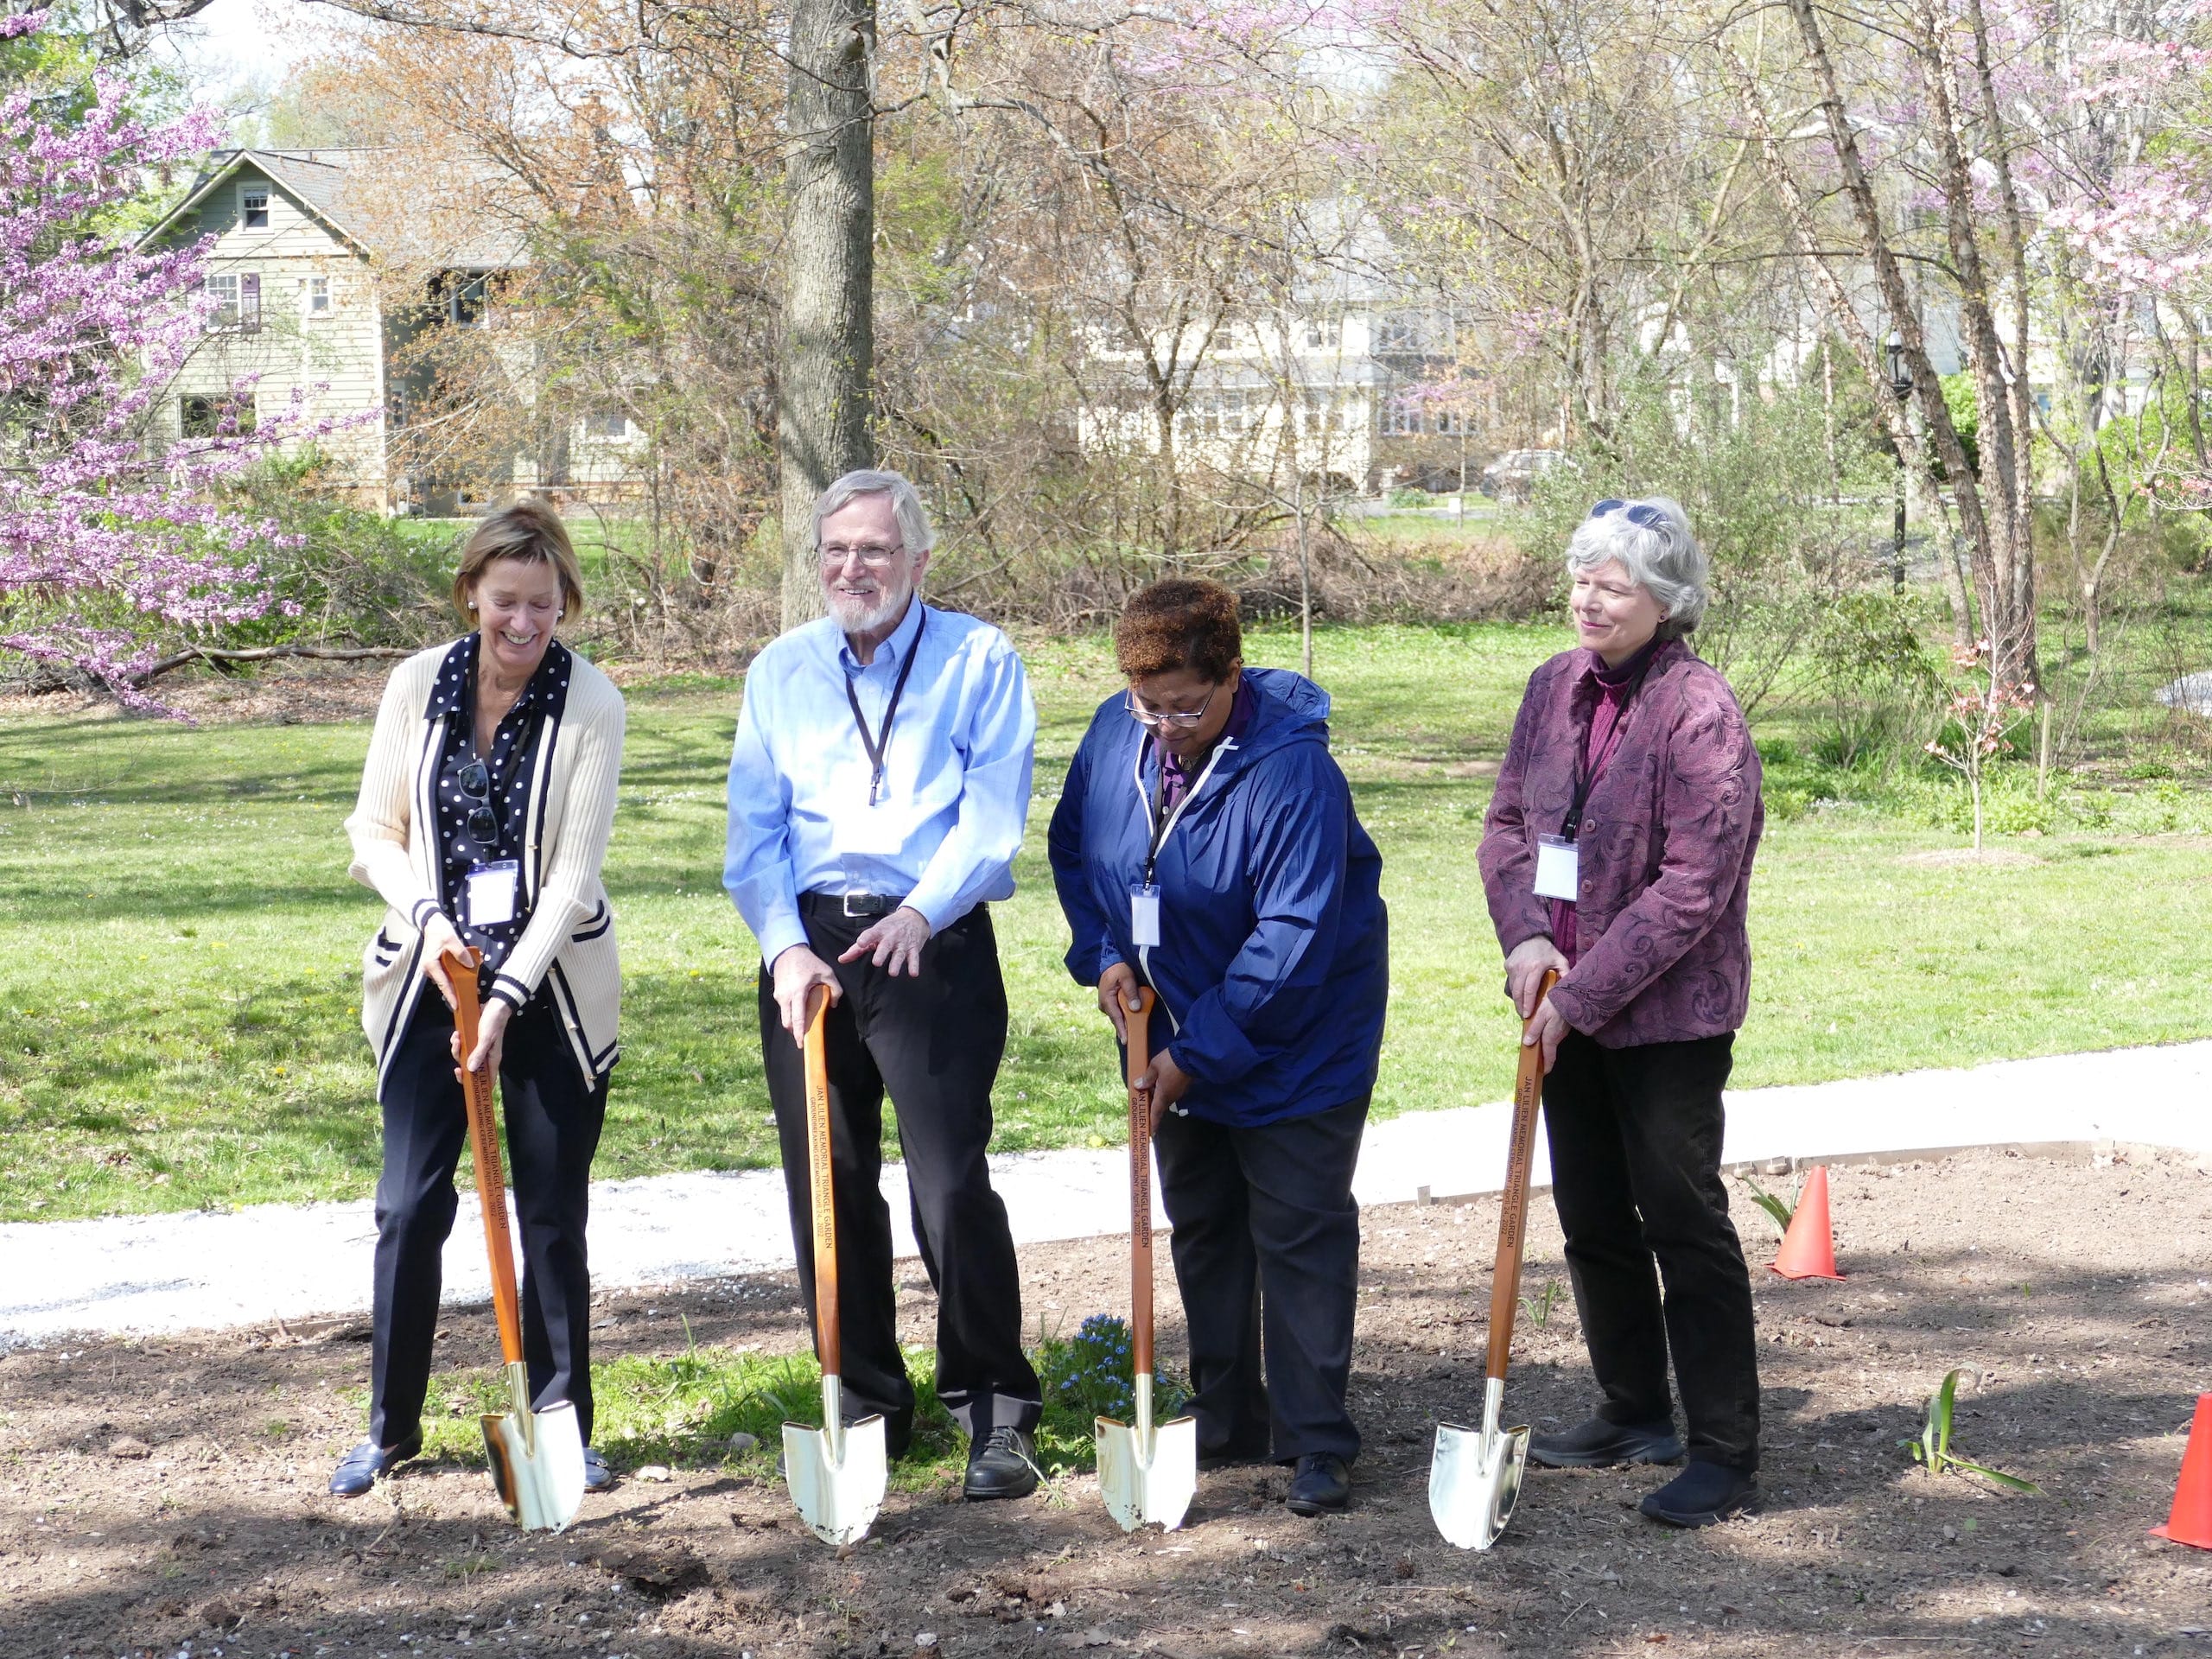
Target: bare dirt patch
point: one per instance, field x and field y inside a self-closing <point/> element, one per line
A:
<point x="283" y="693"/>
<point x="159" y="1493"/>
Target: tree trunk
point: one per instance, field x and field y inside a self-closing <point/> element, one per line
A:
<point x="824" y="380"/>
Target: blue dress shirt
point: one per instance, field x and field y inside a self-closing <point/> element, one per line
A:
<point x="955" y="798"/>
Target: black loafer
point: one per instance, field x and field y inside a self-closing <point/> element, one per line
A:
<point x="1321" y="1485"/>
<point x="597" y="1476"/>
<point x="1001" y="1464"/>
<point x="1703" y="1495"/>
<point x="1601" y="1444"/>
<point x="358" y="1469"/>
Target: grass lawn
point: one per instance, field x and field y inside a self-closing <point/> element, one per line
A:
<point x="179" y="1022"/>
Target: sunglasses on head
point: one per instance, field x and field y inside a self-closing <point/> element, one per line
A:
<point x="1635" y="511"/>
<point x="475" y="782"/>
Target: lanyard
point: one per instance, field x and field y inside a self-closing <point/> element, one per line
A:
<point x="876" y="745"/>
<point x="1588" y="766"/>
<point x="1155" y="801"/>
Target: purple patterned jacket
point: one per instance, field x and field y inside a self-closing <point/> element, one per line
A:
<point x="1666" y="841"/>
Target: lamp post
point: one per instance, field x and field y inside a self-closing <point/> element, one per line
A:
<point x="1901" y="388"/>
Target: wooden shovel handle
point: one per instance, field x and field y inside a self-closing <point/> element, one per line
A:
<point x="827" y="1344"/>
<point x="478" y="1088"/>
<point x="1513" y="1213"/>
<point x="1138" y="1021"/>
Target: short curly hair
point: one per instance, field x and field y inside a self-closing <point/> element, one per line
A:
<point x="1182" y="622"/>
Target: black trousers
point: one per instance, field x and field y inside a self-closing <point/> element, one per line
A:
<point x="553" y="1115"/>
<point x="1266" y="1257"/>
<point x="935" y="1042"/>
<point x="1635" y="1138"/>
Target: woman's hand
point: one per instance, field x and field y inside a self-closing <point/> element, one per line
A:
<point x="1547" y="1027"/>
<point x="491" y="1039"/>
<point x="1165" y="1083"/>
<point x="1524" y="976"/>
<point x="439" y="941"/>
<point x="1118" y="999"/>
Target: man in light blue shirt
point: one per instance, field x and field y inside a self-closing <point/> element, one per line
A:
<point x="878" y="793"/>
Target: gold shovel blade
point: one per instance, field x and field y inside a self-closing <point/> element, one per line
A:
<point x="537" y="1466"/>
<point x="1474" y="1480"/>
<point x="836" y="1496"/>
<point x="1149" y="1491"/>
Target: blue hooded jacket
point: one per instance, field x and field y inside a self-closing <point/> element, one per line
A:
<point x="1272" y="964"/>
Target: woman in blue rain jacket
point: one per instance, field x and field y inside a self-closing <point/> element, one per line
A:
<point x="1205" y="845"/>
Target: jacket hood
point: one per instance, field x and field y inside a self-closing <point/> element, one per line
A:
<point x="1290" y="708"/>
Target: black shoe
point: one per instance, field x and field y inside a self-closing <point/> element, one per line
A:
<point x="597" y="1476"/>
<point x="1321" y="1485"/>
<point x="1702" y="1494"/>
<point x="1599" y="1445"/>
<point x="358" y="1469"/>
<point x="1001" y="1464"/>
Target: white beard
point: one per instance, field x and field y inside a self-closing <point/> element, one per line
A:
<point x="856" y="616"/>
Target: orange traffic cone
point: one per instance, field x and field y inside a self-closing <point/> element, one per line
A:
<point x="1808" y="1248"/>
<point x="2191" y="1520"/>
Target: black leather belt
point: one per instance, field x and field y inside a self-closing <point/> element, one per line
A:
<point x="854" y="905"/>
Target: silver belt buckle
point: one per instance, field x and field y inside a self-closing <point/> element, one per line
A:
<point x="845" y="903"/>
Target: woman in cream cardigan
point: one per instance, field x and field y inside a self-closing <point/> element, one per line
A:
<point x="483" y="821"/>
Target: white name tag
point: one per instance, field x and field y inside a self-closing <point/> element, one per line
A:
<point x="1144" y="917"/>
<point x="857" y="830"/>
<point x="1559" y="869"/>
<point x="492" y="889"/>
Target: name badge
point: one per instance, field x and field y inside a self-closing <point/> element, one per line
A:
<point x="1559" y="869"/>
<point x="1144" y="916"/>
<point x="492" y="890"/>
<point x="860" y="831"/>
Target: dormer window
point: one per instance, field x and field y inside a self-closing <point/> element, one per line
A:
<point x="253" y="206"/>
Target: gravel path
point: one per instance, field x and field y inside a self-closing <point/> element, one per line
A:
<point x="147" y="1274"/>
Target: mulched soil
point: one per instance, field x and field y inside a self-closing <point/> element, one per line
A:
<point x="146" y="1508"/>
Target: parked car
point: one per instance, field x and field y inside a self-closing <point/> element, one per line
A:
<point x="1509" y="477"/>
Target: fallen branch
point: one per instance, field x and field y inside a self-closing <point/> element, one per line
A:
<point x="265" y="653"/>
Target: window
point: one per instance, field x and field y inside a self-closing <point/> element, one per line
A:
<point x="1401" y="420"/>
<point x="1322" y="334"/>
<point x="206" y="416"/>
<point x="1451" y="423"/>
<point x="318" y="297"/>
<point x="253" y="206"/>
<point x="1414" y="331"/>
<point x="238" y="301"/>
<point x="1232" y="413"/>
<point x="606" y="423"/>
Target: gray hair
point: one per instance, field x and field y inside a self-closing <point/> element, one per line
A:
<point x="915" y="535"/>
<point x="1662" y="558"/>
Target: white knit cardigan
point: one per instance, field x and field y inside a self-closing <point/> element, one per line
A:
<point x="569" y="937"/>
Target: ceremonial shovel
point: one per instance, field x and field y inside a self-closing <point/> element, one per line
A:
<point x="537" y="1457"/>
<point x="837" y="1472"/>
<point x="1146" y="1473"/>
<point x="1475" y="1477"/>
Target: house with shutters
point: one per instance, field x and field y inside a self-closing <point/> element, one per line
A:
<point x="307" y="300"/>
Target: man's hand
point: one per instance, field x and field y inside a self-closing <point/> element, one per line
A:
<point x="897" y="938"/>
<point x="1547" y="1028"/>
<point x="1524" y="974"/>
<point x="440" y="940"/>
<point x="1118" y="999"/>
<point x="1166" y="1083"/>
<point x="795" y="971"/>
<point x="491" y="1039"/>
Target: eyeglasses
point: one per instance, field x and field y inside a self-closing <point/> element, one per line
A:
<point x="1637" y="513"/>
<point x="1172" y="717"/>
<point x="475" y="783"/>
<point x="873" y="554"/>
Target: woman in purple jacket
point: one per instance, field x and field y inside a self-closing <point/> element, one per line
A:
<point x="1618" y="852"/>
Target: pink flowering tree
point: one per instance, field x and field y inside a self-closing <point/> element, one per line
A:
<point x="110" y="534"/>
